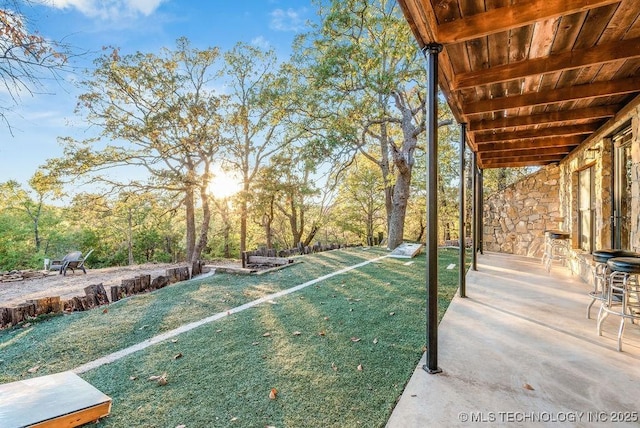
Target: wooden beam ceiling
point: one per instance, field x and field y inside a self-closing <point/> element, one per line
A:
<point x="509" y="17"/>
<point x="491" y="137"/>
<point x="552" y="117"/>
<point x="601" y="54"/>
<point x="572" y="141"/>
<point x="568" y="93"/>
<point x="533" y="79"/>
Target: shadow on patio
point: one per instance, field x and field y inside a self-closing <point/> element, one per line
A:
<point x="520" y="351"/>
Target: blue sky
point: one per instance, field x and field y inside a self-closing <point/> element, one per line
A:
<point x="131" y="25"/>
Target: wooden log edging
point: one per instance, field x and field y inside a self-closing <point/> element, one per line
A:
<point x="297" y="251"/>
<point x="95" y="296"/>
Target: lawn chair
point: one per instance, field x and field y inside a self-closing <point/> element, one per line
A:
<point x="73" y="260"/>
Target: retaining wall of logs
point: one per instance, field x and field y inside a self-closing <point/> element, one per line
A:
<point x="275" y="254"/>
<point x="94" y="296"/>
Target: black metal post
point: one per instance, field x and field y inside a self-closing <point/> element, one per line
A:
<point x="474" y="209"/>
<point x="481" y="210"/>
<point x="462" y="283"/>
<point x="431" y="51"/>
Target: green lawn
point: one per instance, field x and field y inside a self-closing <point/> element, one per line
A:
<point x="307" y="345"/>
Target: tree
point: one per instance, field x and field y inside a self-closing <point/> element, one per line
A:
<point x="30" y="202"/>
<point x="25" y="56"/>
<point x="259" y="100"/>
<point x="360" y="201"/>
<point x="159" y="115"/>
<point x="369" y="74"/>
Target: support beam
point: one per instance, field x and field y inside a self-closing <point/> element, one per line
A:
<point x="514" y="164"/>
<point x="508" y="17"/>
<point x="490" y="163"/>
<point x="539" y="143"/>
<point x="506" y="154"/>
<point x="462" y="259"/>
<point x="553" y="117"/>
<point x="431" y="52"/>
<point x="556" y="131"/>
<point x="607" y="88"/>
<point x="474" y="209"/>
<point x="607" y="52"/>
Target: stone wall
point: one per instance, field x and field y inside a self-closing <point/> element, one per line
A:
<point x="516" y="218"/>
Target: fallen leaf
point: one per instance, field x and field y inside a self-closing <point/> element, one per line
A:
<point x="334" y="367"/>
<point x="322" y="333"/>
<point x="163" y="379"/>
<point x="143" y="327"/>
<point x="387" y="283"/>
<point x="174" y="340"/>
<point x="105" y="310"/>
<point x="375" y="341"/>
<point x="272" y="302"/>
<point x="178" y="355"/>
<point x="154" y="377"/>
<point x="392" y="313"/>
<point x="527" y="386"/>
<point x="273" y="394"/>
<point x="33" y="369"/>
<point x="218" y="331"/>
<point x="255" y="343"/>
<point x="266" y="334"/>
<point x="181" y="426"/>
<point x="26" y="325"/>
<point x="133" y="377"/>
<point x="233" y="419"/>
<point x="355" y="339"/>
<point x="326" y="318"/>
<point x="296" y="333"/>
<point x="359" y="367"/>
<point x="350" y="309"/>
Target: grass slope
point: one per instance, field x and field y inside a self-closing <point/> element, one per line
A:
<point x="308" y="345"/>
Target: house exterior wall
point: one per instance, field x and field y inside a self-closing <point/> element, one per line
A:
<point x="515" y="219"/>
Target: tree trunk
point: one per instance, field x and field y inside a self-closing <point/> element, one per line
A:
<point x="130" y="237"/>
<point x="243" y="216"/>
<point x="204" y="227"/>
<point x="191" y="222"/>
<point x="400" y="198"/>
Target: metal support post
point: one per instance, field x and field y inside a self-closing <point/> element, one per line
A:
<point x="474" y="210"/>
<point x="431" y="51"/>
<point x="462" y="271"/>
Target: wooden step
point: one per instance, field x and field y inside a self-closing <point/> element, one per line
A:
<point x="53" y="401"/>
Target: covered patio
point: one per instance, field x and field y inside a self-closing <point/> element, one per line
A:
<point x="519" y="350"/>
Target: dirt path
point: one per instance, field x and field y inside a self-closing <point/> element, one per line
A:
<point x="54" y="284"/>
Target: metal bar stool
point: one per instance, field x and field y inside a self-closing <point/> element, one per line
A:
<point x="556" y="247"/>
<point x="601" y="273"/>
<point x="622" y="293"/>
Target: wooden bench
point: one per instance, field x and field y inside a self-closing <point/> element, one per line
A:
<point x="57" y="400"/>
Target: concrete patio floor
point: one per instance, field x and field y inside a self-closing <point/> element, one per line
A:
<point x="519" y="351"/>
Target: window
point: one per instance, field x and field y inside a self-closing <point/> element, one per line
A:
<point x="622" y="189"/>
<point x="586" y="208"/>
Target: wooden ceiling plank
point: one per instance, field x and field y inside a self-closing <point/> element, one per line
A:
<point x="563" y="150"/>
<point x="557" y="131"/>
<point x="509" y="17"/>
<point x="558" y="62"/>
<point x="521" y="159"/>
<point x="569" y="93"/>
<point x="544" y="118"/>
<point x="512" y="164"/>
<point x="540" y="143"/>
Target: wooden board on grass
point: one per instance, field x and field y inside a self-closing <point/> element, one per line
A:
<point x="406" y="251"/>
<point x="57" y="400"/>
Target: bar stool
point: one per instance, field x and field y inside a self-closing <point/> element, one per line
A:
<point x="601" y="273"/>
<point x="556" y="247"/>
<point x="622" y="293"/>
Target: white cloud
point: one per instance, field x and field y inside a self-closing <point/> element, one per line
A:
<point x="261" y="42"/>
<point x="109" y="9"/>
<point x="288" y="20"/>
